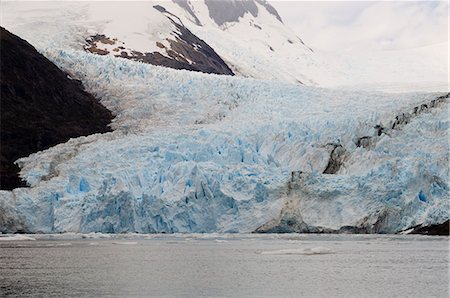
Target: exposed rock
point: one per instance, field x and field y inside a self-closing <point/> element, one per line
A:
<point x="256" y="26"/>
<point x="231" y="10"/>
<point x="379" y="129"/>
<point x="270" y="9"/>
<point x="185" y="5"/>
<point x="377" y="223"/>
<point x="365" y="142"/>
<point x="400" y="121"/>
<point x="40" y="106"/>
<point x="338" y="156"/>
<point x="185" y="50"/>
<point x="435" y="230"/>
<point x="290" y="221"/>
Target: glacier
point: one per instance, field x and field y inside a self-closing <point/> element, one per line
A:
<point x="193" y="152"/>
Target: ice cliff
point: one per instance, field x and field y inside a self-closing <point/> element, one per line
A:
<point x="200" y="153"/>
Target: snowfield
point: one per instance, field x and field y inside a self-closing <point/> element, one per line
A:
<point x="252" y="47"/>
<point x="206" y="153"/>
<point x="258" y="46"/>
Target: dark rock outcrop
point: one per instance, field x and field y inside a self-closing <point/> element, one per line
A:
<point x="185" y="5"/>
<point x="185" y="50"/>
<point x="231" y="10"/>
<point x="400" y="121"/>
<point x="337" y="158"/>
<point x="40" y="106"/>
<point x="435" y="230"/>
<point x="270" y="9"/>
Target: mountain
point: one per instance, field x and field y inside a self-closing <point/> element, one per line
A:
<point x="251" y="38"/>
<point x="246" y="38"/>
<point x="231" y="37"/>
<point x="167" y="41"/>
<point x="41" y="106"/>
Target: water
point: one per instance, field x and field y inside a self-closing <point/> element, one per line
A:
<point x="289" y="265"/>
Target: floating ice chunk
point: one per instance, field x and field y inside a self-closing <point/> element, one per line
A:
<point x="300" y="251"/>
<point x="64" y="244"/>
<point x="407" y="231"/>
<point x="94" y="235"/>
<point x="16" y="238"/>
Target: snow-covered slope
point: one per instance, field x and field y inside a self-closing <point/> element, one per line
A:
<point x="200" y="153"/>
<point x="415" y="69"/>
<point x="251" y="39"/>
<point x="246" y="38"/>
<point x="141" y="31"/>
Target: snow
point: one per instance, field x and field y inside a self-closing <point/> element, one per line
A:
<point x="246" y="48"/>
<point x="139" y="31"/>
<point x="415" y="69"/>
<point x="242" y="45"/>
<point x="137" y="26"/>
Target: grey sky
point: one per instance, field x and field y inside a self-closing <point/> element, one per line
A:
<point x="346" y="25"/>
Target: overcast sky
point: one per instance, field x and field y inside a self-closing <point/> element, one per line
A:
<point x="346" y="25"/>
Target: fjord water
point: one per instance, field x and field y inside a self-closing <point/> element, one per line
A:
<point x="250" y="265"/>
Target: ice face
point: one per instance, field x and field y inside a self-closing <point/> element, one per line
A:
<point x="207" y="153"/>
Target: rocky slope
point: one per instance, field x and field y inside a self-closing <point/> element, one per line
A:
<point x="431" y="229"/>
<point x="244" y="38"/>
<point x="180" y="50"/>
<point x="41" y="106"/>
